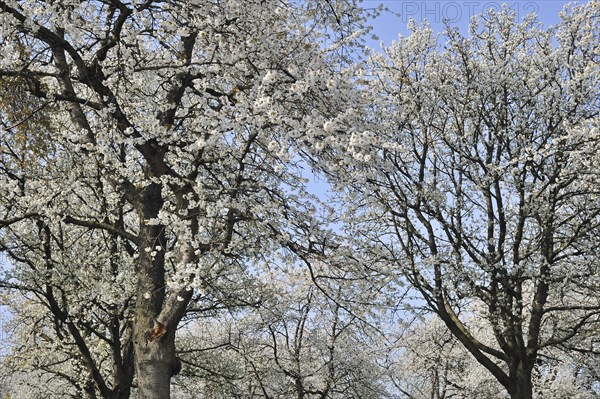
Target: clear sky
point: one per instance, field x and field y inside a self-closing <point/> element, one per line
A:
<point x="390" y="23"/>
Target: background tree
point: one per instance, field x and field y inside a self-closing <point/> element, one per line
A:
<point x="298" y="343"/>
<point x="75" y="328"/>
<point x="49" y="336"/>
<point x="177" y="136"/>
<point x="477" y="175"/>
<point x="428" y="362"/>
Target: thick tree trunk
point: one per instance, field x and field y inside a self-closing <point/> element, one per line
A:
<point x="154" y="344"/>
<point x="154" y="364"/>
<point x="521" y="386"/>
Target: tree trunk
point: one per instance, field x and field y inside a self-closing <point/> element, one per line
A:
<point x="520" y="382"/>
<point x="154" y="365"/>
<point x="154" y="345"/>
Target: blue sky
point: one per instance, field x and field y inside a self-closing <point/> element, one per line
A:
<point x="389" y="24"/>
